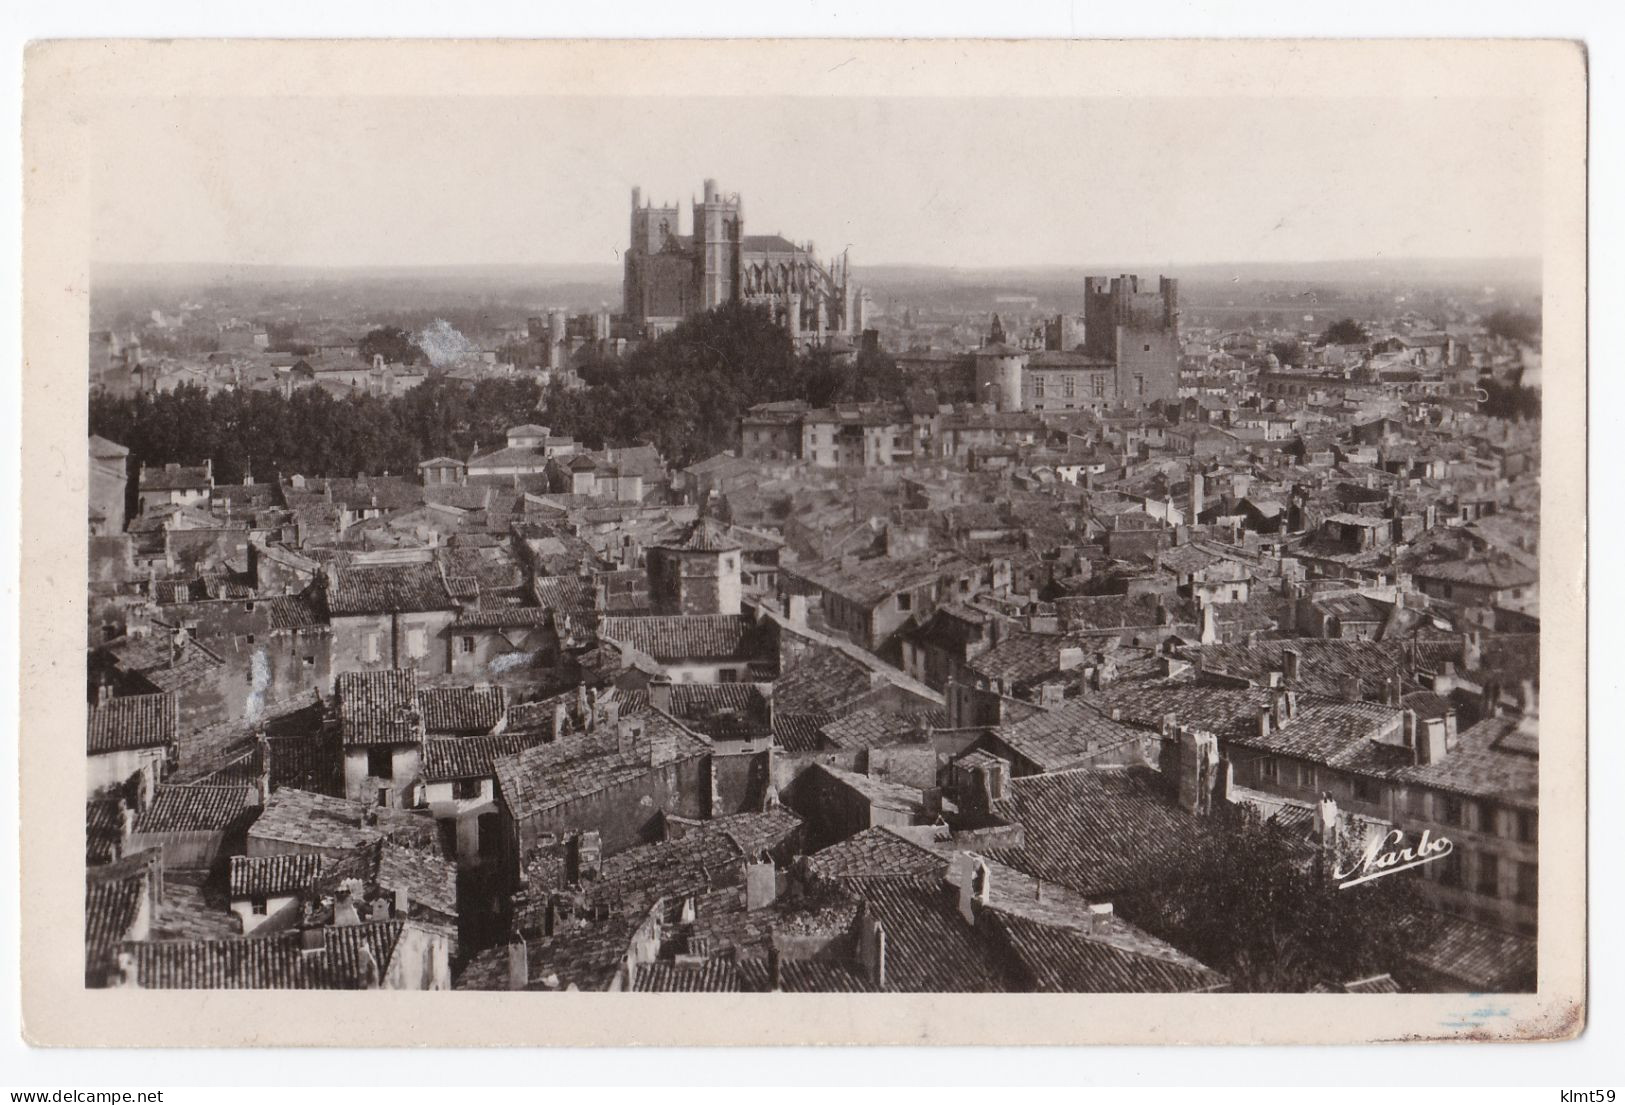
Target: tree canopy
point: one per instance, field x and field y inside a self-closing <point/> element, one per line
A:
<point x="1344" y="331"/>
<point x="394" y="343"/>
<point x="684" y="392"/>
<point x="1244" y="901"/>
<point x="1514" y="326"/>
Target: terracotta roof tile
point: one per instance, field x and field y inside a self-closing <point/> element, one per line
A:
<point x="133" y="722"/>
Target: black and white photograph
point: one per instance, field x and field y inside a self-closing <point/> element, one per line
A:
<point x="800" y="542"/>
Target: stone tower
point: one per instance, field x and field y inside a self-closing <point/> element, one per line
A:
<point x="696" y="572"/>
<point x="718" y="232"/>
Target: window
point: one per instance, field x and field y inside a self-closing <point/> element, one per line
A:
<point x="257" y="906"/>
<point x="1139" y="385"/>
<point x="1098" y="383"/>
<point x="1528" y="826"/>
<point x="417" y="641"/>
<point x="1450" y="809"/>
<point x="1450" y="868"/>
<point x="1038" y="387"/>
<point x="465" y="789"/>
<point x="905" y="601"/>
<point x="1528" y="889"/>
<point x="1268" y="771"/>
<point x="383" y="796"/>
<point x="380" y="763"/>
<point x="1069" y="386"/>
<point x="310" y="661"/>
<point x="1147" y="348"/>
<point x="465" y="645"/>
<point x="1489" y="875"/>
<point x="1367" y="790"/>
<point x="369" y="647"/>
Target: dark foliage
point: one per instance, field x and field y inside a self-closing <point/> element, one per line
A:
<point x="1510" y="400"/>
<point x="313" y="433"/>
<point x="394" y="343"/>
<point x="1246" y="902"/>
<point x="684" y="392"/>
<point x="1344" y="332"/>
<point x="1514" y="326"/>
<point x="1288" y="352"/>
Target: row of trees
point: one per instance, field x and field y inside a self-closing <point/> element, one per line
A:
<point x="267" y="435"/>
<point x="683" y="393"/>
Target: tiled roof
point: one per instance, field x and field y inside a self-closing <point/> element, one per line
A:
<point x="269" y="876"/>
<point x="876" y="852"/>
<point x="162" y="663"/>
<point x="870" y="582"/>
<point x="1496" y="572"/>
<point x="195" y="809"/>
<point x="1067" y="960"/>
<point x="427" y="879"/>
<point x="807" y="976"/>
<point x="1323" y="665"/>
<point x="680" y="637"/>
<point x="462" y="709"/>
<point x="447" y="758"/>
<point x="113" y="898"/>
<point x="379" y="707"/>
<point x="890" y="796"/>
<point x="104" y="830"/>
<point x="396" y="588"/>
<point x="275" y="962"/>
<point x="1073" y="735"/>
<point x="756" y="833"/>
<point x="799" y="732"/>
<point x="1480" y="958"/>
<point x="701" y="535"/>
<point x="504" y="617"/>
<point x="824" y="680"/>
<point x="1484" y="764"/>
<point x="303" y="819"/>
<point x="549" y="775"/>
<point x="1023" y="656"/>
<point x="178" y="478"/>
<point x="1097" y="831"/>
<point x="710" y="976"/>
<point x="301" y="611"/>
<point x="1325" y="730"/>
<point x="868" y="728"/>
<point x="929" y="947"/>
<point x="132" y="722"/>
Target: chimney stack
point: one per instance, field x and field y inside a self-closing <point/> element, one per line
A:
<point x="1289" y="665"/>
<point x="518" y="963"/>
<point x="660" y="694"/>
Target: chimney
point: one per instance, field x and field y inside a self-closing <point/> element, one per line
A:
<point x="1289" y="665"/>
<point x="1198" y="495"/>
<point x="344" y="911"/>
<point x="518" y="963"/>
<point x="775" y="979"/>
<point x="1326" y="821"/>
<point x="660" y="694"/>
<point x="1431" y="741"/>
<point x="1278" y="707"/>
<point x="403" y="901"/>
<point x="761" y="885"/>
<point x="1353" y="689"/>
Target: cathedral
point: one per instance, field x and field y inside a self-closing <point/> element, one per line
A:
<point x="670" y="275"/>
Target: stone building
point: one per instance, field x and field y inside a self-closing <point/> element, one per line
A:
<point x="670" y="276"/>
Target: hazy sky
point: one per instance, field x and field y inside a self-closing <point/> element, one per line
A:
<point x="935" y="181"/>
